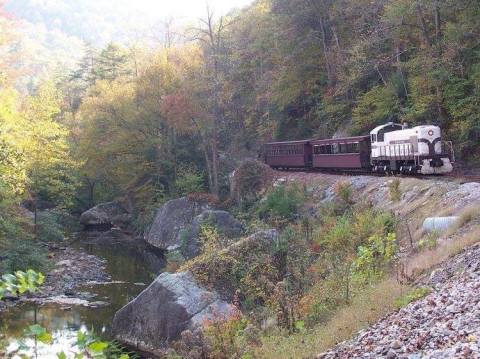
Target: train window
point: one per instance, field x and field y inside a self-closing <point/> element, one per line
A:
<point x="381" y="136"/>
<point x="374" y="138"/>
<point x="328" y="149"/>
<point x="335" y="148"/>
<point x="353" y="147"/>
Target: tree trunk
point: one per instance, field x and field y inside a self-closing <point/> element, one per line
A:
<point x="328" y="66"/>
<point x="215" y="167"/>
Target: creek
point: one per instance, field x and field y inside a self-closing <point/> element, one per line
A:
<point x="131" y="264"/>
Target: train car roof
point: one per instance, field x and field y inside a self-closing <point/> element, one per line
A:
<point x="289" y="142"/>
<point x="388" y="124"/>
<point x="342" y="139"/>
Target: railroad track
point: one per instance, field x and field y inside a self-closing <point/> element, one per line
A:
<point x="453" y="176"/>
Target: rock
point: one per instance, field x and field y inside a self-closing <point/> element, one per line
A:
<point x="178" y="222"/>
<point x="172" y="223"/>
<point x="105" y="215"/>
<point x="396" y="344"/>
<point x="66" y="263"/>
<point x="172" y="304"/>
<point x="391" y="354"/>
<point x="223" y="221"/>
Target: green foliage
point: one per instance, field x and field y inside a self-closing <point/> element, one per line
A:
<point x="19" y="249"/>
<point x="48" y="227"/>
<point x="394" y="190"/>
<point x="39" y="333"/>
<point x="429" y="241"/>
<point x="282" y="203"/>
<point x="412" y="296"/>
<point x="373" y="258"/>
<point x="88" y="344"/>
<point x="189" y="180"/>
<point x="20" y="283"/>
<point x="354" y="249"/>
<point x="210" y="239"/>
<point x="222" y="336"/>
<point x="377" y="106"/>
<point x="344" y="192"/>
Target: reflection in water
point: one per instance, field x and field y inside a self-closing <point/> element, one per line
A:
<point x="135" y="264"/>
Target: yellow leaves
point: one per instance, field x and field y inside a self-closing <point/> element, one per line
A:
<point x="33" y="144"/>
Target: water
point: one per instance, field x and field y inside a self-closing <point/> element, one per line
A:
<point x="131" y="264"/>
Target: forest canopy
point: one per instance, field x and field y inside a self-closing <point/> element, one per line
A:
<point x="154" y="122"/>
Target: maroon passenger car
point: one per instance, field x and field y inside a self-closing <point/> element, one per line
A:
<point x="342" y="153"/>
<point x="289" y="154"/>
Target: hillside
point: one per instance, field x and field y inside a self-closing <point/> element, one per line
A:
<point x="443" y="323"/>
<point x="130" y="140"/>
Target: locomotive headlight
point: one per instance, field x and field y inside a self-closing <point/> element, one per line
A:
<point x="430" y="133"/>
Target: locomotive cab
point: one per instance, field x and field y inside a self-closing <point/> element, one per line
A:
<point x="396" y="148"/>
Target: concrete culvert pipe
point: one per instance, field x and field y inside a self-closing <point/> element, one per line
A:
<point x="439" y="224"/>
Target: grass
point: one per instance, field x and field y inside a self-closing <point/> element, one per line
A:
<point x="465" y="217"/>
<point x="432" y="257"/>
<point x="412" y="296"/>
<point x="365" y="309"/>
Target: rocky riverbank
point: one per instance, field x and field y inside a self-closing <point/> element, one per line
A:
<point x="444" y="324"/>
<point x="72" y="269"/>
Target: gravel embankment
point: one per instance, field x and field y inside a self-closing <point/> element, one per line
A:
<point x="444" y="324"/>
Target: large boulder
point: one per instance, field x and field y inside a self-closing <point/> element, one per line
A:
<point x="106" y="216"/>
<point x="224" y="222"/>
<point x="172" y="223"/>
<point x="178" y="224"/>
<point x="172" y="304"/>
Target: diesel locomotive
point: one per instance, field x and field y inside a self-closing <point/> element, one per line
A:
<point x="389" y="148"/>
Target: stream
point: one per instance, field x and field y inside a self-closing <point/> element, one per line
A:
<point x="132" y="265"/>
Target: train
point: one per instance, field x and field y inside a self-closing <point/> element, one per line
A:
<point x="391" y="148"/>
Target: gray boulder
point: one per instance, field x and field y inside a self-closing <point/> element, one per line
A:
<point x="178" y="223"/>
<point x="223" y="221"/>
<point x="172" y="223"/>
<point x="105" y="216"/>
<point x="172" y="304"/>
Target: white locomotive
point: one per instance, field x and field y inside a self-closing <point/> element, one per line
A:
<point x="396" y="148"/>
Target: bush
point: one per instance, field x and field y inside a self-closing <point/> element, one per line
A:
<point x="189" y="180"/>
<point x="18" y="249"/>
<point x="48" y="227"/>
<point x="354" y="250"/>
<point x="282" y="203"/>
<point x="429" y="241"/>
<point x="394" y="189"/>
<point x="344" y="191"/>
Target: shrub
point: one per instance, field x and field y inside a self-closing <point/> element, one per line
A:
<point x="48" y="227"/>
<point x="189" y="180"/>
<point x="222" y="336"/>
<point x="373" y="257"/>
<point x="344" y="191"/>
<point x="18" y="249"/>
<point x="394" y="190"/>
<point x="282" y="203"/>
<point x="429" y="241"/>
<point x="354" y="249"/>
<point x="174" y="261"/>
